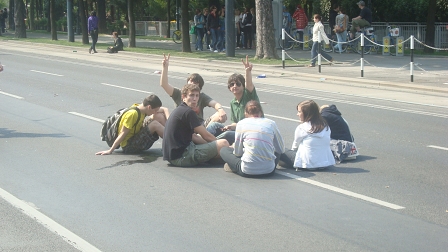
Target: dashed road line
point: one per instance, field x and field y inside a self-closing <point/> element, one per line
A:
<point x="87" y="116"/>
<point x="48" y="223"/>
<point x="437" y="147"/>
<point x="11" y="95"/>
<point x="47" y="73"/>
<point x="132" y="89"/>
<point x="342" y="191"/>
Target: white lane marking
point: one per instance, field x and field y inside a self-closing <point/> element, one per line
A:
<point x="271" y="91"/>
<point x="50" y="224"/>
<point x="268" y="115"/>
<point x="14" y="96"/>
<point x="437" y="147"/>
<point x="342" y="191"/>
<point x="46" y="73"/>
<point x="111" y="85"/>
<point x="86" y="116"/>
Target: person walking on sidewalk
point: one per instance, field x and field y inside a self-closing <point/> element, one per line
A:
<point x="318" y="26"/>
<point x="93" y="30"/>
<point x="213" y="28"/>
<point x="301" y="21"/>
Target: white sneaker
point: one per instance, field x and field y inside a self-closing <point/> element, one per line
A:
<point x="215" y="51"/>
<point x="211" y="49"/>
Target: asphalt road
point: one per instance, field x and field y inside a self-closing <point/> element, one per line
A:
<point x="392" y="198"/>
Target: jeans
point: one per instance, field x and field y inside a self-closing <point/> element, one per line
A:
<point x="221" y="40"/>
<point x="215" y="128"/>
<point x="248" y="37"/>
<point x="199" y="38"/>
<point x="94" y="35"/>
<point x="214" y="38"/>
<point x="342" y="37"/>
<point x="314" y="53"/>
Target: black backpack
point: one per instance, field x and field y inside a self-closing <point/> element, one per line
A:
<point x="109" y="130"/>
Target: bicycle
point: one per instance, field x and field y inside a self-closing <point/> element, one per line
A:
<point x="355" y="45"/>
<point x="177" y="36"/>
<point x="290" y="42"/>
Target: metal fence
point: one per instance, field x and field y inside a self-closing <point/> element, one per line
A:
<point x="158" y="28"/>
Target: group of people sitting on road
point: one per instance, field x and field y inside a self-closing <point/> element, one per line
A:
<point x="251" y="145"/>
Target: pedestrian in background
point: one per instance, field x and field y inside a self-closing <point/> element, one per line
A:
<point x="301" y="21"/>
<point x="92" y="25"/>
<point x="318" y="26"/>
<point x="332" y="19"/>
<point x="212" y="27"/>
<point x="199" y="22"/>
<point x="206" y="35"/>
<point x="247" y="23"/>
<point x="238" y="28"/>
<point x="2" y="22"/>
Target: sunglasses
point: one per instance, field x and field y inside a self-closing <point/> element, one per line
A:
<point x="234" y="83"/>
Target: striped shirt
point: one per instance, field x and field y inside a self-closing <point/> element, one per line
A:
<point x="256" y="140"/>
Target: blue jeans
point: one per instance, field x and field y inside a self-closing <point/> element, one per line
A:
<point x="221" y="40"/>
<point x="199" y="38"/>
<point x="215" y="128"/>
<point x="342" y="37"/>
<point x="214" y="38"/>
<point x="314" y="53"/>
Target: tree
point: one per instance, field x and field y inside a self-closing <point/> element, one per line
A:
<point x="32" y="11"/>
<point x="265" y="30"/>
<point x="185" y="26"/>
<point x="102" y="28"/>
<point x="430" y="26"/>
<point x="54" y="34"/>
<point x="83" y="18"/>
<point x="19" y="19"/>
<point x="11" y="15"/>
<point x="168" y="17"/>
<point x="131" y="23"/>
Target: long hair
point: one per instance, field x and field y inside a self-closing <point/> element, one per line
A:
<point x="253" y="108"/>
<point x="311" y="113"/>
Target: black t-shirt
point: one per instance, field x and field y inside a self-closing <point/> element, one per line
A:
<point x="178" y="131"/>
<point x="332" y="18"/>
<point x="366" y="14"/>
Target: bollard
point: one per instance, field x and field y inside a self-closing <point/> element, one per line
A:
<point x="362" y="54"/>
<point x="319" y="50"/>
<point x="411" y="66"/>
<point x="386" y="43"/>
<point x="283" y="48"/>
<point x="400" y="46"/>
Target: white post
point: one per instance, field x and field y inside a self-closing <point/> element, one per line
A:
<point x="283" y="48"/>
<point x="411" y="66"/>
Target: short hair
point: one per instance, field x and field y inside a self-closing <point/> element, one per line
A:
<point x="196" y="79"/>
<point x="311" y="113"/>
<point x="93" y="13"/>
<point x="152" y="100"/>
<point x="253" y="108"/>
<point x="205" y="9"/>
<point x="318" y="16"/>
<point x="190" y="88"/>
<point x="324" y="106"/>
<point x="212" y="7"/>
<point x="198" y="11"/>
<point x="237" y="78"/>
<point x="115" y="34"/>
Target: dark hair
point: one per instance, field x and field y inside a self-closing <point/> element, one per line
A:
<point x="317" y="16"/>
<point x="93" y="13"/>
<point x="190" y="88"/>
<point x="335" y="6"/>
<point x="115" y="34"/>
<point x="212" y="7"/>
<point x="196" y="79"/>
<point x="152" y="100"/>
<point x="311" y="113"/>
<point x="198" y="11"/>
<point x="237" y="78"/>
<point x="247" y="9"/>
<point x="253" y="108"/>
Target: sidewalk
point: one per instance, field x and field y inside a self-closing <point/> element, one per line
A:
<point x="430" y="73"/>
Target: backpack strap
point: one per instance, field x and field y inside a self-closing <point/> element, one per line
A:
<point x="138" y="118"/>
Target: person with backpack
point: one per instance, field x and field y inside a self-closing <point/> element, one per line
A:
<point x="138" y="128"/>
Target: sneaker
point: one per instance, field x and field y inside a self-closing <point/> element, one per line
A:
<point x="215" y="51"/>
<point x="211" y="49"/>
<point x="227" y="168"/>
<point x="90" y="51"/>
<point x="223" y="50"/>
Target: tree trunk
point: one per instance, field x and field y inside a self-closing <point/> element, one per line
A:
<point x="185" y="26"/>
<point x="83" y="18"/>
<point x="430" y="26"/>
<point x="131" y="23"/>
<point x="102" y="27"/>
<point x="32" y="12"/>
<point x="47" y="11"/>
<point x="11" y="15"/>
<point x="265" y="30"/>
<point x="54" y="34"/>
<point x="168" y="18"/>
<point x="19" y="19"/>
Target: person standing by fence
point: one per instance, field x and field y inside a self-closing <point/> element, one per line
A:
<point x="301" y="21"/>
<point x="199" y="22"/>
<point x="318" y="27"/>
